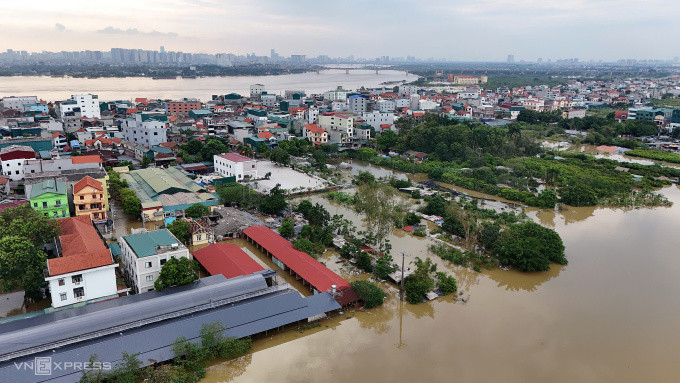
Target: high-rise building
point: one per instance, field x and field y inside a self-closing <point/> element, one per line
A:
<point x="162" y="49"/>
<point x="511" y="58"/>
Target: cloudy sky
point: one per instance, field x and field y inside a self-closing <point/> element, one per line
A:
<point x="454" y="29"/>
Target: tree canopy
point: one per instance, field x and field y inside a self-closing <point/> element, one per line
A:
<point x="177" y="272"/>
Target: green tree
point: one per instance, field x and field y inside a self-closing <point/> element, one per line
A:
<point x="274" y="202"/>
<point x="364" y="177"/>
<point x="197" y="210"/>
<point x="21" y="265"/>
<point x="132" y="205"/>
<point x="384" y="267"/>
<point x="418" y="284"/>
<point x="578" y="194"/>
<point x="24" y="222"/>
<point x="177" y="272"/>
<point x="446" y="283"/>
<point x="193" y="147"/>
<point x="489" y="234"/>
<point x="386" y="140"/>
<point x="287" y="230"/>
<point x="412" y="219"/>
<point x="180" y="229"/>
<point x="530" y="247"/>
<point x="382" y="208"/>
<point x="309" y="247"/>
<point x="280" y="156"/>
<point x="146" y="161"/>
<point x="211" y="148"/>
<point x="369" y="293"/>
<point x="364" y="262"/>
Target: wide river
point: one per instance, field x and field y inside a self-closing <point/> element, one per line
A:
<point x="611" y="315"/>
<point x="61" y="88"/>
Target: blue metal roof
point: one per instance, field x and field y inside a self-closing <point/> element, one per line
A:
<point x="154" y="342"/>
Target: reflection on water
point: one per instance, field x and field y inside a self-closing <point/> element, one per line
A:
<point x="610" y="315"/>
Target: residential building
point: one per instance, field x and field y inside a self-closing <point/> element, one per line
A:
<point x="338" y="94"/>
<point x="19" y="103"/>
<point x="144" y="254"/>
<point x="59" y="140"/>
<point x="268" y="100"/>
<point x="406" y="90"/>
<point x="13" y="159"/>
<point x="256" y="90"/>
<point x="61" y="164"/>
<point x="235" y="165"/>
<point x="385" y="106"/>
<point x="89" y="199"/>
<point x="84" y="270"/>
<point x="377" y="118"/>
<point x="357" y="104"/>
<point x="201" y="233"/>
<point x="315" y="135"/>
<point x="465" y="80"/>
<point x="50" y="198"/>
<point x="183" y="107"/>
<point x="86" y="104"/>
<point x="146" y="129"/>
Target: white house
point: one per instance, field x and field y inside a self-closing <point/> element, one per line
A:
<point x="144" y="254"/>
<point x="338" y="94"/>
<point x="268" y="100"/>
<point x="377" y="118"/>
<point x="18" y="103"/>
<point x="385" y="106"/>
<point x="405" y="90"/>
<point x="256" y="90"/>
<point x="13" y="159"/>
<point x="146" y="129"/>
<point x="340" y="127"/>
<point x="235" y="165"/>
<point x="357" y="104"/>
<point x="88" y="105"/>
<point x="85" y="269"/>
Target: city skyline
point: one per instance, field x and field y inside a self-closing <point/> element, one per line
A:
<point x="488" y="30"/>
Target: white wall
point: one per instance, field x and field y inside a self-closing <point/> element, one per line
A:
<point x="137" y="270"/>
<point x="97" y="283"/>
<point x="147" y="133"/>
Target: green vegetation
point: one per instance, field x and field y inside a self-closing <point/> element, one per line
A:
<point x="529" y="246"/>
<point x="23" y="232"/>
<point x="658" y="155"/>
<point x="239" y="194"/>
<point x="287" y="229"/>
<point x="273" y="202"/>
<point x="369" y="293"/>
<point x="197" y="210"/>
<point x="280" y="156"/>
<point x="177" y="272"/>
<point x="180" y="229"/>
<point x="418" y="284"/>
<point x="309" y="247"/>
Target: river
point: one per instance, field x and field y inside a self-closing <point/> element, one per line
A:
<point x="128" y="88"/>
<point x="611" y="315"/>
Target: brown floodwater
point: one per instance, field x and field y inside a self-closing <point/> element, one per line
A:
<point x="611" y="315"/>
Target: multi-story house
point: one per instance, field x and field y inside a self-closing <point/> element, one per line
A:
<point x="19" y="103"/>
<point x="340" y="127"/>
<point x="144" y="254"/>
<point x="183" y="107"/>
<point x="377" y="118"/>
<point x="146" y="129"/>
<point x="84" y="270"/>
<point x="86" y="104"/>
<point x="50" y="198"/>
<point x="235" y="165"/>
<point x="13" y="159"/>
<point x="201" y="233"/>
<point x="89" y="199"/>
<point x="358" y="104"/>
<point x="315" y="135"/>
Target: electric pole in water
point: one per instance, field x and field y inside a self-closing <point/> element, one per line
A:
<point x="401" y="283"/>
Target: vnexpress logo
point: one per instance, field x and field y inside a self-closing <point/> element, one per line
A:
<point x="43" y="366"/>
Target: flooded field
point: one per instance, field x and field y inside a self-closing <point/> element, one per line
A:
<point x="608" y="316"/>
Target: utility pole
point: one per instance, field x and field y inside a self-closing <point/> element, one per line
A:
<point x="401" y="283"/>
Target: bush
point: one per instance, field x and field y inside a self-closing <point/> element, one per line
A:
<point x="197" y="210"/>
<point x="369" y="292"/>
<point x="530" y="247"/>
<point x="364" y="262"/>
<point x="446" y="283"/>
<point x="412" y="219"/>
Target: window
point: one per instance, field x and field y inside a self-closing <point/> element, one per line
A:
<point x="61" y="281"/>
<point x="163" y="261"/>
<point x="62" y="296"/>
<point x="149" y="278"/>
<point x="77" y="278"/>
<point x="198" y="237"/>
<point x="35" y="204"/>
<point x="79" y="292"/>
<point x="147" y="265"/>
<point x="44" y="205"/>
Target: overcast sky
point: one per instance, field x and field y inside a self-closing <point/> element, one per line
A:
<point x="473" y="30"/>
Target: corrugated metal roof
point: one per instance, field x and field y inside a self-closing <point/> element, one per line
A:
<point x="154" y="342"/>
<point x="48" y="186"/>
<point x="318" y="275"/>
<point x="226" y="259"/>
<point x="145" y="244"/>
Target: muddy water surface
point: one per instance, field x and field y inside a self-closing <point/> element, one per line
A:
<point x="611" y="315"/>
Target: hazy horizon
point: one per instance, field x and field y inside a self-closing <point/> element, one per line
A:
<point x="483" y="30"/>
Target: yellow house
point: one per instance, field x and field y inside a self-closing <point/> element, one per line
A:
<point x="200" y="232"/>
<point x="90" y="198"/>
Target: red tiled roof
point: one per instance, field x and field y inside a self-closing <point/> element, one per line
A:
<point x="17" y="154"/>
<point x="226" y="259"/>
<point x="314" y="129"/>
<point x="55" y="135"/>
<point x="86" y="159"/>
<point x="169" y="145"/>
<point x="81" y="247"/>
<point x="87" y="181"/>
<point x="131" y="111"/>
<point x="620" y="114"/>
<point x="266" y="135"/>
<point x="316" y="274"/>
<point x="6" y="205"/>
<point x="233" y="157"/>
